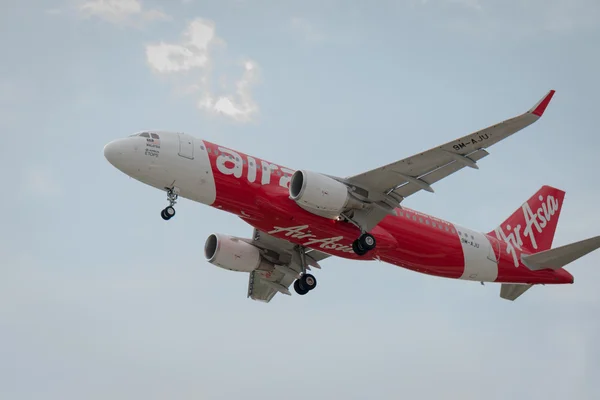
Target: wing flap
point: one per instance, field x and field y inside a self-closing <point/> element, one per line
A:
<point x="264" y="285"/>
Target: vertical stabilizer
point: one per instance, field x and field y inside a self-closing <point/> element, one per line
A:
<point x="532" y="226"/>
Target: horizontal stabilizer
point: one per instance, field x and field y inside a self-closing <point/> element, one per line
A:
<point x="510" y="291"/>
<point x="560" y="256"/>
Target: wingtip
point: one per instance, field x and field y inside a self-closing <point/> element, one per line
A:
<point x="540" y="107"/>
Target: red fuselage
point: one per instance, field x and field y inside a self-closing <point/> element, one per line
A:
<point x="257" y="191"/>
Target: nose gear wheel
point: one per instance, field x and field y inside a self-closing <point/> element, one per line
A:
<point x="169" y="211"/>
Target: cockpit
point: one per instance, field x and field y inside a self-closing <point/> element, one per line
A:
<point x="146" y="135"/>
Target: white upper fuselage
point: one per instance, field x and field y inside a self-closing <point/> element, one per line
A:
<point x="166" y="160"/>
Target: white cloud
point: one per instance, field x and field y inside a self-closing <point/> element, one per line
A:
<point x="121" y="11"/>
<point x="191" y="53"/>
<point x="40" y="181"/>
<point x="196" y="53"/>
<point x="240" y="106"/>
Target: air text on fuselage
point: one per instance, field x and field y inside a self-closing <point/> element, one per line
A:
<point x="230" y="162"/>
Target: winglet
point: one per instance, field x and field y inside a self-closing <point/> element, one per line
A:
<point x="540" y="107"/>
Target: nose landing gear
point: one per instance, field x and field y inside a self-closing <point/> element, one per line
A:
<point x="169" y="211"/>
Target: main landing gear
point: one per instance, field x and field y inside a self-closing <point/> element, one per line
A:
<point x="169" y="211"/>
<point x="306" y="282"/>
<point x="365" y="243"/>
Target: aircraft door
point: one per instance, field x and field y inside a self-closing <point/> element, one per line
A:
<point x="186" y="146"/>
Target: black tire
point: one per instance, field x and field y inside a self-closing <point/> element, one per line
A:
<point x="170" y="212"/>
<point x="299" y="289"/>
<point x="164" y="216"/>
<point x="367" y="241"/>
<point x="308" y="281"/>
<point x="358" y="250"/>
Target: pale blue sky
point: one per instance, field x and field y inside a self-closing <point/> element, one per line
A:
<point x="100" y="298"/>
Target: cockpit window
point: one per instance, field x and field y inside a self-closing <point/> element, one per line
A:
<point x="154" y="136"/>
<point x="145" y="134"/>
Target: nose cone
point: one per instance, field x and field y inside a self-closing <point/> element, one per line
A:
<point x="114" y="153"/>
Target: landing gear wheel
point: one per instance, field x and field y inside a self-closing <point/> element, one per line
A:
<point x="308" y="281"/>
<point x="367" y="241"/>
<point x="169" y="211"/>
<point x="299" y="289"/>
<point x="358" y="249"/>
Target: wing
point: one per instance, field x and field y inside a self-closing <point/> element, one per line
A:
<point x="263" y="285"/>
<point x="388" y="185"/>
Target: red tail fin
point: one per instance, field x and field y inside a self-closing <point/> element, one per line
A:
<point x="532" y="226"/>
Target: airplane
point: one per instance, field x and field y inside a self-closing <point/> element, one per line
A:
<point x="301" y="217"/>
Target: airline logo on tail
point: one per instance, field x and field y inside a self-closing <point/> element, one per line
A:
<point x="535" y="227"/>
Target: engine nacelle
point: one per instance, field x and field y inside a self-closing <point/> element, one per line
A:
<point x="233" y="254"/>
<point x="320" y="194"/>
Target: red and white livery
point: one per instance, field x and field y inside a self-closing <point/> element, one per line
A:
<point x="301" y="217"/>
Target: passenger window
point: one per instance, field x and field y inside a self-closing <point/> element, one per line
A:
<point x="145" y="134"/>
<point x="154" y="136"/>
<point x="433" y="224"/>
<point x="447" y="230"/>
<point x="421" y="220"/>
<point x="401" y="214"/>
<point x="453" y="231"/>
<point x="427" y="221"/>
<point x="414" y="217"/>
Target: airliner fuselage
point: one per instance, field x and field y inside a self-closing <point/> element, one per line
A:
<point x="257" y="191"/>
<point x="301" y="217"/>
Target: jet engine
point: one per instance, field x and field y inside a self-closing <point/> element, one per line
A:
<point x="320" y="194"/>
<point x="233" y="254"/>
